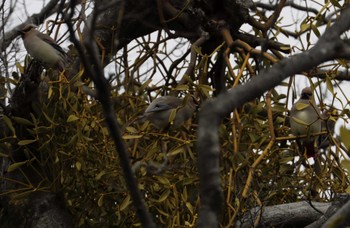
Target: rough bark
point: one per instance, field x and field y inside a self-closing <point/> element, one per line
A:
<point x="298" y="214"/>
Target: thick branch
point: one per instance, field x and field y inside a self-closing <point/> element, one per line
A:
<point x="297" y="214"/>
<point x="329" y="47"/>
<point x="341" y="218"/>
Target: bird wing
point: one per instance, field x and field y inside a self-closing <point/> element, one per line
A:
<point x="158" y="107"/>
<point x="52" y="42"/>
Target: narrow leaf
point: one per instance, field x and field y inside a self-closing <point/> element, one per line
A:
<point x="9" y="124"/>
<point x="26" y="142"/>
<point x="72" y="118"/>
<point x="16" y="165"/>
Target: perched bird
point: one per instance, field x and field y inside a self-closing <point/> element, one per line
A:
<point x="305" y="119"/>
<point x="43" y="48"/>
<point x="169" y="112"/>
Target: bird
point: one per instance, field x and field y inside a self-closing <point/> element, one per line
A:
<point x="305" y="119"/>
<point x="43" y="48"/>
<point x="169" y="111"/>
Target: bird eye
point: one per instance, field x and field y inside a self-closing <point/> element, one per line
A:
<point x="27" y="28"/>
<point x="307" y="95"/>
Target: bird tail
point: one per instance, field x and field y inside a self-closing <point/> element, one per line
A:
<point x="311" y="150"/>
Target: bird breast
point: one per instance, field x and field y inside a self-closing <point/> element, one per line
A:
<point x="42" y="51"/>
<point x="305" y="121"/>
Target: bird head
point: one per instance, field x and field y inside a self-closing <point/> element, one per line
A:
<point x="169" y="111"/>
<point x="306" y="93"/>
<point x="26" y="29"/>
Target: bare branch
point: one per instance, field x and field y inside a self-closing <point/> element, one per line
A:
<point x="90" y="58"/>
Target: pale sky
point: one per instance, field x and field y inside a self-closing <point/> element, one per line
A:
<point x="288" y="17"/>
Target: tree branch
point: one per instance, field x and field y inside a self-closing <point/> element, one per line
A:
<point x="297" y="214"/>
<point x="88" y="52"/>
<point x="341" y="218"/>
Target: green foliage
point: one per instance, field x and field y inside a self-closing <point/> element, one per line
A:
<point x="80" y="161"/>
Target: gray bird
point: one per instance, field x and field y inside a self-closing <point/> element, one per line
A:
<point x="43" y="48"/>
<point x="305" y="119"/>
<point x="169" y="112"/>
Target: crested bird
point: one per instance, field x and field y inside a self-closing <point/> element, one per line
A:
<point x="169" y="112"/>
<point x="43" y="48"/>
<point x="305" y="120"/>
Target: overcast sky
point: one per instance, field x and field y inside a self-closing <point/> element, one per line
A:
<point x="25" y="8"/>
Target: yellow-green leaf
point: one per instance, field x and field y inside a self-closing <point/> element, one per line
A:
<point x="346" y="164"/>
<point x="172" y="115"/>
<point x="304" y="27"/>
<point x="182" y="87"/>
<point x="22" y="121"/>
<point x="184" y="195"/>
<point x="197" y="49"/>
<point x="131" y="129"/>
<point x="126" y="202"/>
<point x="72" y="118"/>
<point x="285" y="48"/>
<point x="329" y="85"/>
<point x="189" y="207"/>
<point x="100" y="201"/>
<point x="345" y="137"/>
<point x="336" y="3"/>
<point x="50" y="92"/>
<point x="315" y="30"/>
<point x="49" y="119"/>
<point x="9" y="124"/>
<point x="299" y="121"/>
<point x="16" y="165"/>
<point x="205" y="89"/>
<point x="301" y="106"/>
<point x="98" y="176"/>
<point x="3" y="155"/>
<point x="126" y="137"/>
<point x="175" y="151"/>
<point x="20" y="67"/>
<point x="164" y="196"/>
<point x="26" y="142"/>
<point x="348" y="190"/>
<point x="163" y="180"/>
<point x="78" y="165"/>
<point x="286" y="160"/>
